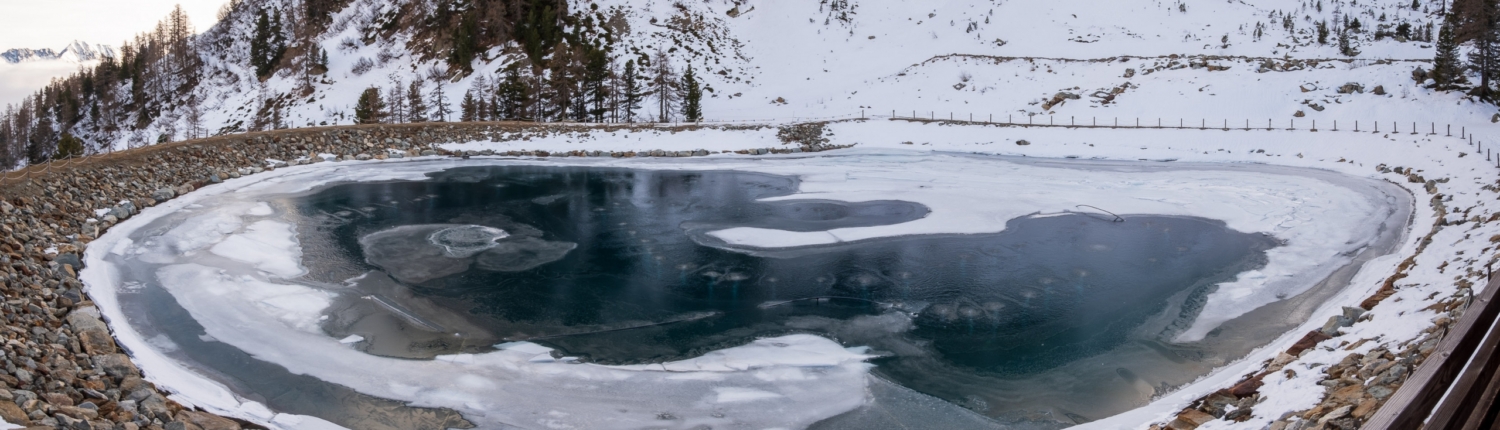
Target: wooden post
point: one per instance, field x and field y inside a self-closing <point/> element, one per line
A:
<point x="1335" y="125"/>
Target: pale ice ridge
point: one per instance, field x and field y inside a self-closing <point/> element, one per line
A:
<point x="790" y="381"/>
<point x="805" y="378"/>
<point x="270" y="246"/>
<point x="186" y="385"/>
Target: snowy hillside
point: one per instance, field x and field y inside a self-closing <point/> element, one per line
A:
<point x="1146" y="60"/>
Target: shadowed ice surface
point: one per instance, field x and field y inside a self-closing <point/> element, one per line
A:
<point x="610" y="265"/>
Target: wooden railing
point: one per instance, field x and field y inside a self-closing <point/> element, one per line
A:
<point x="1456" y="388"/>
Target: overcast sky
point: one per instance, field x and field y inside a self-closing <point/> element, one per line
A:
<point x="55" y="23"/>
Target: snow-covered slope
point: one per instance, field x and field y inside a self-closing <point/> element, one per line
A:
<point x="761" y="60"/>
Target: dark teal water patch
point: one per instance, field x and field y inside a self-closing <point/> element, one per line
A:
<point x="633" y="286"/>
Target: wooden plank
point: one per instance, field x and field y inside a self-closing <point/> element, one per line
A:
<point x="1410" y="406"/>
<point x="1457" y="411"/>
<point x="1483" y="408"/>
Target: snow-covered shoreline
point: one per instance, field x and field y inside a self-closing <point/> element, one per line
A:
<point x="1054" y="143"/>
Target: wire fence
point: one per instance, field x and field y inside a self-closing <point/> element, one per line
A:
<point x="1413" y="128"/>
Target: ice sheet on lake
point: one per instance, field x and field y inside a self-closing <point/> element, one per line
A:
<point x="789" y="381"/>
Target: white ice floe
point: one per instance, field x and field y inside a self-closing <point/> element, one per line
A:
<point x="268" y="245"/>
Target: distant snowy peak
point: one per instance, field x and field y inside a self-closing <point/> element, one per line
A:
<point x="76" y="52"/>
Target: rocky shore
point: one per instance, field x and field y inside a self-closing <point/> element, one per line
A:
<point x="63" y="369"/>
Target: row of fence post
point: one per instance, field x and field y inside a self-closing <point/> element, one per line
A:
<point x="1115" y="123"/>
<point x="1395" y="127"/>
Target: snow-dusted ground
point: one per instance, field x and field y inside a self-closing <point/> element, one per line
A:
<point x="1320" y="215"/>
<point x="788" y="61"/>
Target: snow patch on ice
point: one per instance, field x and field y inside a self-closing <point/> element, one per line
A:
<point x="268" y="245"/>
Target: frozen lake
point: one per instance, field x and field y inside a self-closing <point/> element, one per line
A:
<point x="657" y="293"/>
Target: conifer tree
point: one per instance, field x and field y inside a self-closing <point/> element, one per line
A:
<point x="439" y="97"/>
<point x="416" y="104"/>
<point x="664" y="85"/>
<point x="468" y="109"/>
<point x="512" y="95"/>
<point x="692" y="97"/>
<point x="595" y="76"/>
<point x="630" y="92"/>
<point x="371" y="108"/>
<point x="1484" y="59"/>
<point x="260" y="43"/>
<point x="1445" y="70"/>
<point x="396" y="100"/>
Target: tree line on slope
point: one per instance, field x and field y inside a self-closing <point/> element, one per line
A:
<point x="581" y="87"/>
<point x="568" y="70"/>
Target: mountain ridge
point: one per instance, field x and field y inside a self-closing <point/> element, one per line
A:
<point x="77" y="52"/>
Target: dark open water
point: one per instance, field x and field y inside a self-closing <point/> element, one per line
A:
<point x="609" y="265"/>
